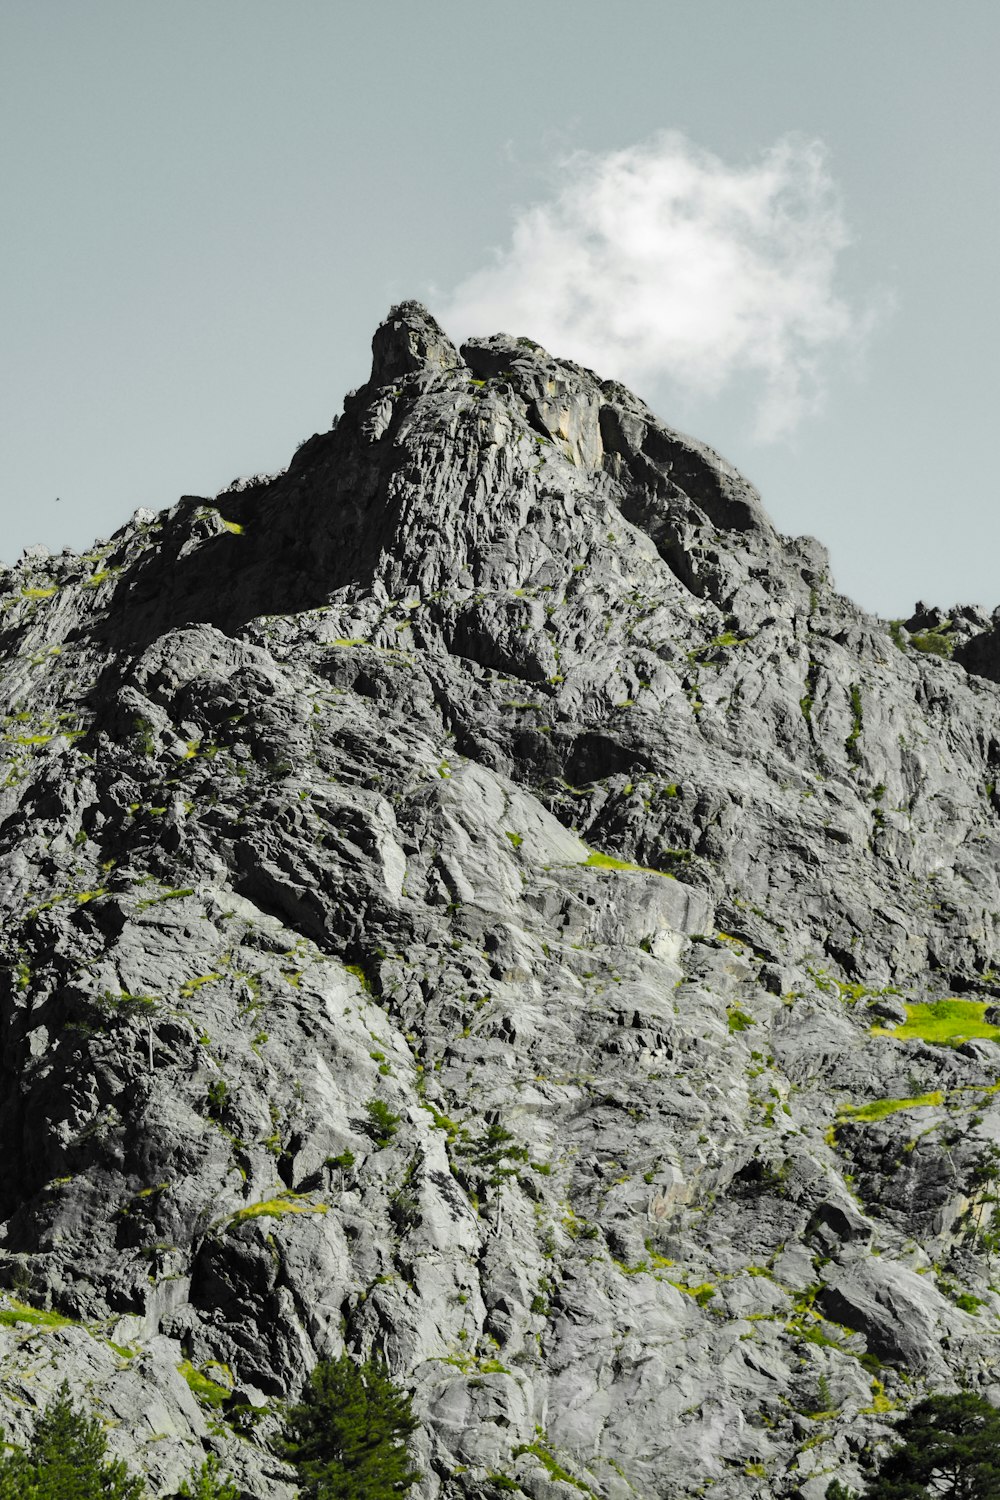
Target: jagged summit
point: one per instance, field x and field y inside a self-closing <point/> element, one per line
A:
<point x="495" y="768"/>
<point x="434" y="476"/>
<point x="353" y="505"/>
<point x="407" y="341"/>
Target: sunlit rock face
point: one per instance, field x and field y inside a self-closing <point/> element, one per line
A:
<point x="481" y="896"/>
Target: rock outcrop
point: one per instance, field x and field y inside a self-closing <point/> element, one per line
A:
<point x="498" y="764"/>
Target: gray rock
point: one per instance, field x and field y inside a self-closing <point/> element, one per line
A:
<point x="498" y="761"/>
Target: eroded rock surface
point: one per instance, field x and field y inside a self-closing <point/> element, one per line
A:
<point x="496" y="764"/>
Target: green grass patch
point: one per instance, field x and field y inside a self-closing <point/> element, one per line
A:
<point x="276" y="1208"/>
<point x="190" y="986"/>
<point x="20" y="1312"/>
<point x="597" y="861"/>
<point x="968" y="1303"/>
<point x="702" y="1294"/>
<point x="642" y="1269"/>
<point x="947" y="1023"/>
<point x="208" y="1392"/>
<point x="176" y="895"/>
<point x="718" y="642"/>
<point x="552" y="1466"/>
<point x="655" y="1257"/>
<point x="879" y="1109"/>
<point x="361" y="975"/>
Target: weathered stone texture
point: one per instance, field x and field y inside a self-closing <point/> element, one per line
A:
<point x="498" y="762"/>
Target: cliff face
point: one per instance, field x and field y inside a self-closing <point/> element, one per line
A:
<point x="482" y="896"/>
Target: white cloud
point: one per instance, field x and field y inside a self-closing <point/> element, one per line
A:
<point x="660" y="263"/>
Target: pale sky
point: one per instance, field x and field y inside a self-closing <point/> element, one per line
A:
<point x="777" y="219"/>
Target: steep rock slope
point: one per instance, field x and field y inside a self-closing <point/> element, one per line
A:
<point x="482" y="896"/>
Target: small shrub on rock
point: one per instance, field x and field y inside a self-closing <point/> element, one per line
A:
<point x="382" y="1123"/>
<point x="208" y="1483"/>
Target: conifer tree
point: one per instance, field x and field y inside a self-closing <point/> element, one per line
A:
<point x="347" y="1437"/>
<point x="67" y="1460"/>
<point x="950" y="1448"/>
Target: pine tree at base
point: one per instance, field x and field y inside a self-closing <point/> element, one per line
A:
<point x="347" y="1438"/>
<point x="66" y="1460"/>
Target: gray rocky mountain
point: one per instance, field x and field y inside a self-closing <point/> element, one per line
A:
<point x="482" y="896"/>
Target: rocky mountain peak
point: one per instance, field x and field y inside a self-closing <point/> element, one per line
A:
<point x="407" y="341"/>
<point x="482" y="897"/>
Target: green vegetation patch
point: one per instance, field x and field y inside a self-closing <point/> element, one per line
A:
<point x="175" y="895"/>
<point x="275" y="1208"/>
<point x="190" y="986"/>
<point x="598" y="861"/>
<point x="552" y="1466"/>
<point x="67" y="1456"/>
<point x="382" y="1123"/>
<point x="857" y="725"/>
<point x="878" y="1109"/>
<point x="20" y="1312"/>
<point x="934" y="642"/>
<point x="945" y="1022"/>
<point x="361" y="975"/>
<point x="209" y="1392"/>
<point x="349" y="1435"/>
<point x="702" y="1294"/>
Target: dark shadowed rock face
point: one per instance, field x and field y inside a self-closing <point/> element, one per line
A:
<point x="497" y="763"/>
